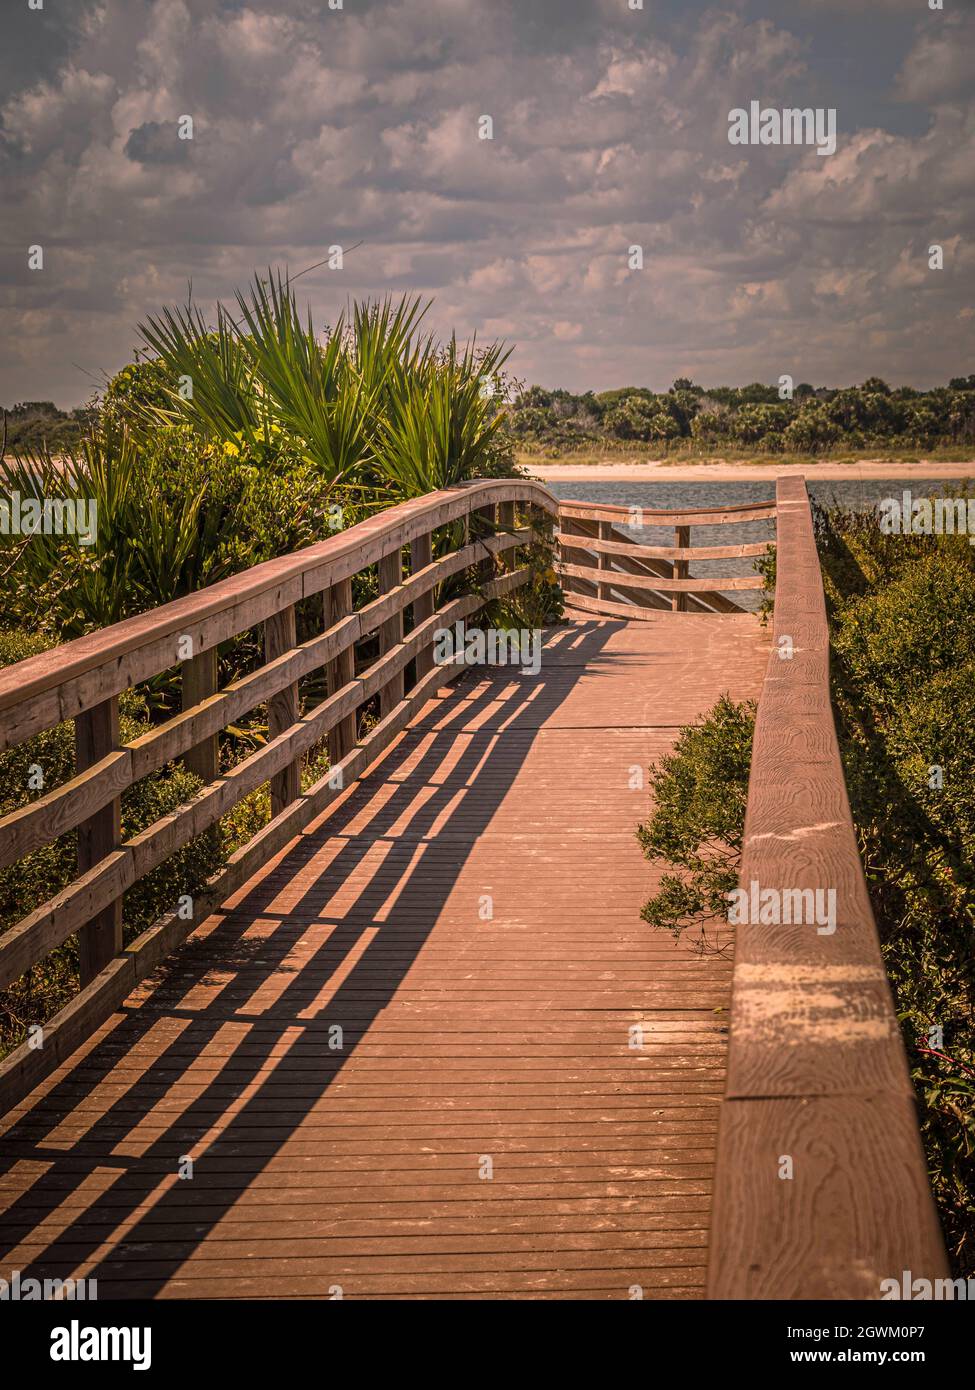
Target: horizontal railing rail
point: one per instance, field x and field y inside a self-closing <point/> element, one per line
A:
<point x="83" y="680"/>
<point x="821" y="1186"/>
<point x="606" y="571"/>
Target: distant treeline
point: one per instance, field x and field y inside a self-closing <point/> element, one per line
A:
<point x="39" y="427"/>
<point x="814" y="420"/>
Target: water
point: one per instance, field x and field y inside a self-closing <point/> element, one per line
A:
<point x="863" y="494"/>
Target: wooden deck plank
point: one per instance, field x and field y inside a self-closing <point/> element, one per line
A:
<point x="468" y="914"/>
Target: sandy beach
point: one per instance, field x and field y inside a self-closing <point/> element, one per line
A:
<point x="659" y="470"/>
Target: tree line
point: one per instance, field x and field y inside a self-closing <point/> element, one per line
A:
<point x="803" y="419"/>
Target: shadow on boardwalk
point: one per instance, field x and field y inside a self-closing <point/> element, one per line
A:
<point x="89" y="1172"/>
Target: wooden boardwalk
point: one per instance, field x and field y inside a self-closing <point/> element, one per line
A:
<point x="467" y="915"/>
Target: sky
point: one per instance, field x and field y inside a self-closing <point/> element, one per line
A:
<point x="315" y="126"/>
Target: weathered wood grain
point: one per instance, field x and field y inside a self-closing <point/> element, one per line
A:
<point x="857" y="1209"/>
<point x="97" y="738"/>
<point x="198" y="683"/>
<point x="682" y="537"/>
<point x="340" y="671"/>
<point x="391" y="631"/>
<point x="667" y="586"/>
<point x="507" y="1036"/>
<point x="282" y="708"/>
<point x="817" y="1071"/>
<point x="40" y="692"/>
<point x="421" y="556"/>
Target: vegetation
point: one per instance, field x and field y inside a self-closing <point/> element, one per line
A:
<point x="903" y="618"/>
<point x="724" y="419"/>
<point x="229" y="443"/>
<point x="39" y="427"/>
<point x="225" y="444"/>
<point x="36" y="878"/>
<point x="902" y="614"/>
<point x="698" y="821"/>
<point x="174" y="513"/>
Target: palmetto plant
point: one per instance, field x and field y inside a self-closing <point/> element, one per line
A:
<point x="441" y="419"/>
<point x="151" y="543"/>
<point x="325" y="395"/>
<point x="213" y="386"/>
<point x="252" y="431"/>
<point x="375" y="407"/>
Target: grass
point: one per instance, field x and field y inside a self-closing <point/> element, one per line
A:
<point x="698" y="454"/>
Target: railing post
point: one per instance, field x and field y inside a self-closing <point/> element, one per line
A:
<point x="199" y="682"/>
<point x="421" y="555"/>
<point x="569" y="526"/>
<point x="391" y="632"/>
<point x="486" y="526"/>
<point x="506" y="522"/>
<point x="282" y="708"/>
<point x="603" y="561"/>
<point x="682" y="537"/>
<point x="341" y="671"/>
<point x="96" y="734"/>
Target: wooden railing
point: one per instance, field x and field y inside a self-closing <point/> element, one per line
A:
<point x="83" y="680"/>
<point x="605" y="571"/>
<point x="821" y="1188"/>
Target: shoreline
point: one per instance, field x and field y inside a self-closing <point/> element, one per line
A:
<point x="659" y="470"/>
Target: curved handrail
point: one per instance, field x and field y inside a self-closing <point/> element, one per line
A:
<point x="687" y="516"/>
<point x="821" y="1187"/>
<point x="70" y="678"/>
<point x="606" y="572"/>
<point x="82" y="680"/>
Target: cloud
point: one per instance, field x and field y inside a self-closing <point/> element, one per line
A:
<point x="155" y="143"/>
<point x="940" y="65"/>
<point x="314" y="127"/>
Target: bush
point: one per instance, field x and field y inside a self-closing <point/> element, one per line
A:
<point x="697" y="824"/>
<point x="636" y="418"/>
<point x="902" y="616"/>
<point x="173" y="514"/>
<point x="920" y="624"/>
<point x="904" y="690"/>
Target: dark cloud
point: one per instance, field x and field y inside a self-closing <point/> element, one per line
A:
<point x="316" y="126"/>
<point x="155" y="143"/>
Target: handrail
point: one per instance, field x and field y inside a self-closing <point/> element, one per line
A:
<point x="687" y="516"/>
<point x="821" y="1188"/>
<point x="61" y="683"/>
<point x="84" y="678"/>
<point x="607" y="572"/>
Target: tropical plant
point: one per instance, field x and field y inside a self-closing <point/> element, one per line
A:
<point x="170" y="515"/>
<point x="442" y="419"/>
<point x="698" y="819"/>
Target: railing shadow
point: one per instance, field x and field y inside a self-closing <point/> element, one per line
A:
<point x="133" y="1252"/>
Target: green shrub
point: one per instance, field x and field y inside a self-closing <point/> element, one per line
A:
<point x="173" y="514"/>
<point x="918" y="625"/>
<point x="902" y="616"/>
<point x="904" y="691"/>
<point x="697" y="823"/>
